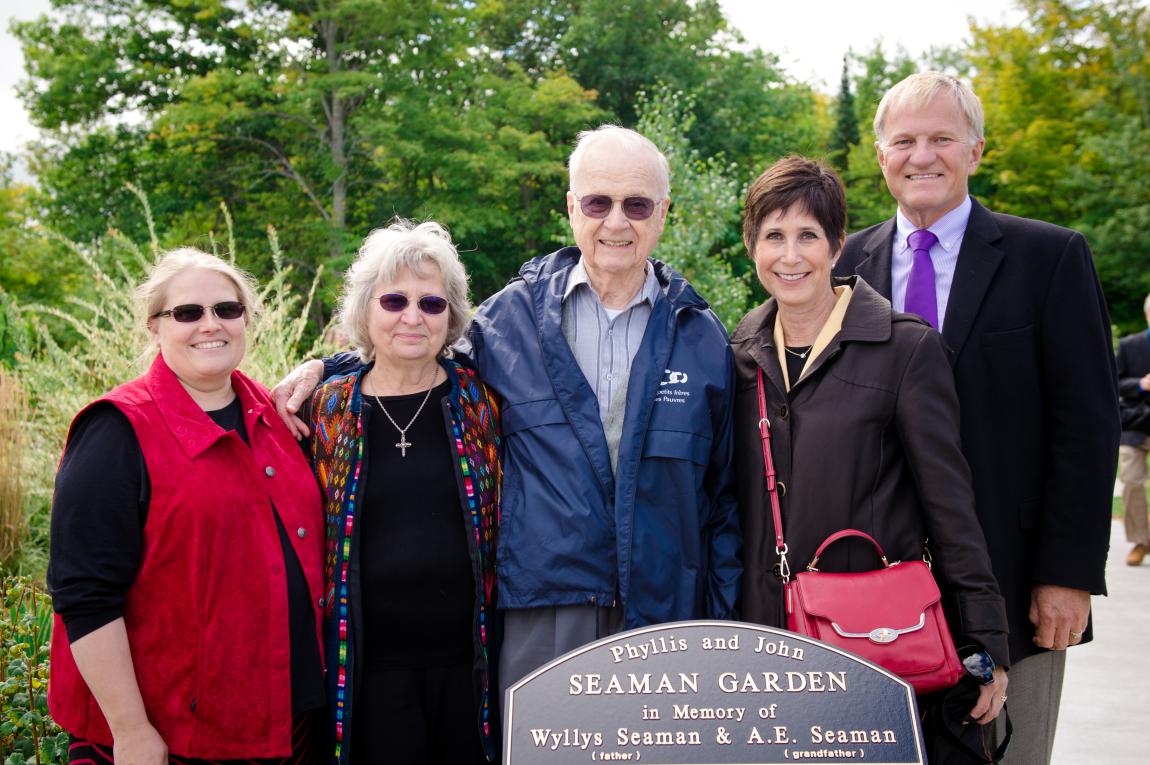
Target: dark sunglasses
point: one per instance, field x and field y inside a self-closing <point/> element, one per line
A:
<point x="600" y="205"/>
<point x="432" y="305"/>
<point x="186" y="314"/>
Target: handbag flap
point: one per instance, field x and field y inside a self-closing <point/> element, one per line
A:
<point x="894" y="597"/>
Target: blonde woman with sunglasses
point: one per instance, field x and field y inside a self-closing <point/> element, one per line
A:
<point x="186" y="549"/>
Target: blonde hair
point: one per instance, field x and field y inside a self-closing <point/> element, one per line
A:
<point x="384" y="253"/>
<point x="153" y="291"/>
<point x="920" y="89"/>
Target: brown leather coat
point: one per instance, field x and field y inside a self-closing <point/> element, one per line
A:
<point x="868" y="439"/>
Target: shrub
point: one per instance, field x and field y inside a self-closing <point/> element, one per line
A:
<point x="27" y="733"/>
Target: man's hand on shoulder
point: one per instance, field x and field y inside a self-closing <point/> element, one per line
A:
<point x="1059" y="615"/>
<point x="289" y="395"/>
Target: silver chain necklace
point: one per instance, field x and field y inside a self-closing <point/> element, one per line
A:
<point x="403" y="443"/>
<point x="802" y="355"/>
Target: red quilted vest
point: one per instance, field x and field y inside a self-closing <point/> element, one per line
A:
<point x="207" y="616"/>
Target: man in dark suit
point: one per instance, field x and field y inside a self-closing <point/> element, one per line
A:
<point x="1019" y="305"/>
<point x="1134" y="387"/>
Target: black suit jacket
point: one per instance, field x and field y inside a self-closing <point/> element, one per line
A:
<point x="1029" y="342"/>
<point x="1133" y="363"/>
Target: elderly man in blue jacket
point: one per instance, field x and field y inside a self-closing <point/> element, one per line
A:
<point x="617" y="385"/>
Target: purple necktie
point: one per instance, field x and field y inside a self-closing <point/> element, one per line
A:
<point x="920" y="293"/>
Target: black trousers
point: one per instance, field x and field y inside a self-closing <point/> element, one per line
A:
<point x="417" y="717"/>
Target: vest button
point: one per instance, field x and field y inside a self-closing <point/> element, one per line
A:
<point x="269" y="471"/>
<point x="320" y="601"/>
<point x="301" y="532"/>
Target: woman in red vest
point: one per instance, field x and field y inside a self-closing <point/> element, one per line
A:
<point x="186" y="550"/>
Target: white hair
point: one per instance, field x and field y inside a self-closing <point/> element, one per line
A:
<point x="629" y="140"/>
<point x="384" y="253"/>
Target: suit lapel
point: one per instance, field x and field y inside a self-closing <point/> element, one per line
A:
<point x="875" y="267"/>
<point x="978" y="260"/>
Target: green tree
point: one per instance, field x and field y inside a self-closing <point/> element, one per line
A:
<point x="264" y="104"/>
<point x="704" y="210"/>
<point x="494" y="171"/>
<point x="1067" y="98"/>
<point x="32" y="269"/>
<point x="846" y="132"/>
<point x="868" y="199"/>
<point x="618" y="49"/>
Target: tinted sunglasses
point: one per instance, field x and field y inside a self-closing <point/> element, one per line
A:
<point x="600" y="205"/>
<point x="186" y="314"/>
<point x="432" y="305"/>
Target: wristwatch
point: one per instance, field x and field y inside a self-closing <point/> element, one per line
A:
<point x="978" y="664"/>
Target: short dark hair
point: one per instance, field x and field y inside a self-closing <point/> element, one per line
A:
<point x="795" y="180"/>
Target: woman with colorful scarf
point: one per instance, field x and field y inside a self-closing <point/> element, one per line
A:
<point x="406" y="451"/>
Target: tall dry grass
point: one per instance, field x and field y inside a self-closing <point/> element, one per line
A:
<point x="13" y="421"/>
<point x="62" y="376"/>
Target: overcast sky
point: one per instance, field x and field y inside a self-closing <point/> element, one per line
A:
<point x="809" y="36"/>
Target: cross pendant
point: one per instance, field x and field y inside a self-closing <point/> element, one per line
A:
<point x="402" y="445"/>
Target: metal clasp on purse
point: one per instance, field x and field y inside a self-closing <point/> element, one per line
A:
<point x="882" y="635"/>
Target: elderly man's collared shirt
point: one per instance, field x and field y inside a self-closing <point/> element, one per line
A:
<point x="949" y="229"/>
<point x="605" y="342"/>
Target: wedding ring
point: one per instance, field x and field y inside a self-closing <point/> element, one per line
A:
<point x="1075" y="635"/>
<point x="1003" y="697"/>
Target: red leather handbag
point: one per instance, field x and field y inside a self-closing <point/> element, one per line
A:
<point x="891" y="616"/>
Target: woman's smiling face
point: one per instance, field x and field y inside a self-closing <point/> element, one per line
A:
<point x="201" y="353"/>
<point x="794" y="258"/>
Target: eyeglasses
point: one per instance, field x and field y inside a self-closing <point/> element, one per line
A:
<point x="186" y="314"/>
<point x="432" y="305"/>
<point x="600" y="206"/>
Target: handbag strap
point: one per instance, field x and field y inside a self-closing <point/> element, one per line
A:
<point x="772" y="480"/>
<point x="845" y="533"/>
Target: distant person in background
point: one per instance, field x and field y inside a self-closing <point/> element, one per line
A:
<point x="186" y="545"/>
<point x="1134" y="389"/>
<point x="1028" y="336"/>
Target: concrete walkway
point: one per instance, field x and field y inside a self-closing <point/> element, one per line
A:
<point x="1105" y="716"/>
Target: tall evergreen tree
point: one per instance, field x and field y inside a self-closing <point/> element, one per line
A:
<point x="846" y="132"/>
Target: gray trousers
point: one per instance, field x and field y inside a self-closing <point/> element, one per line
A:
<point x="1035" y="691"/>
<point x="534" y="636"/>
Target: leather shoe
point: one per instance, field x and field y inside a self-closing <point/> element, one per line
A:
<point x="1136" y="555"/>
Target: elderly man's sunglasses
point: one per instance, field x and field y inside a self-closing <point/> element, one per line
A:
<point x="432" y="305"/>
<point x="600" y="205"/>
<point x="186" y="314"/>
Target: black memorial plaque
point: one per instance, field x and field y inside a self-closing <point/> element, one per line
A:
<point x="710" y="692"/>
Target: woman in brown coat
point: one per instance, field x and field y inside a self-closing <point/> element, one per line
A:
<point x="864" y="420"/>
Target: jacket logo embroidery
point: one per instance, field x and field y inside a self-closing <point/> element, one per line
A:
<point x="673" y="378"/>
